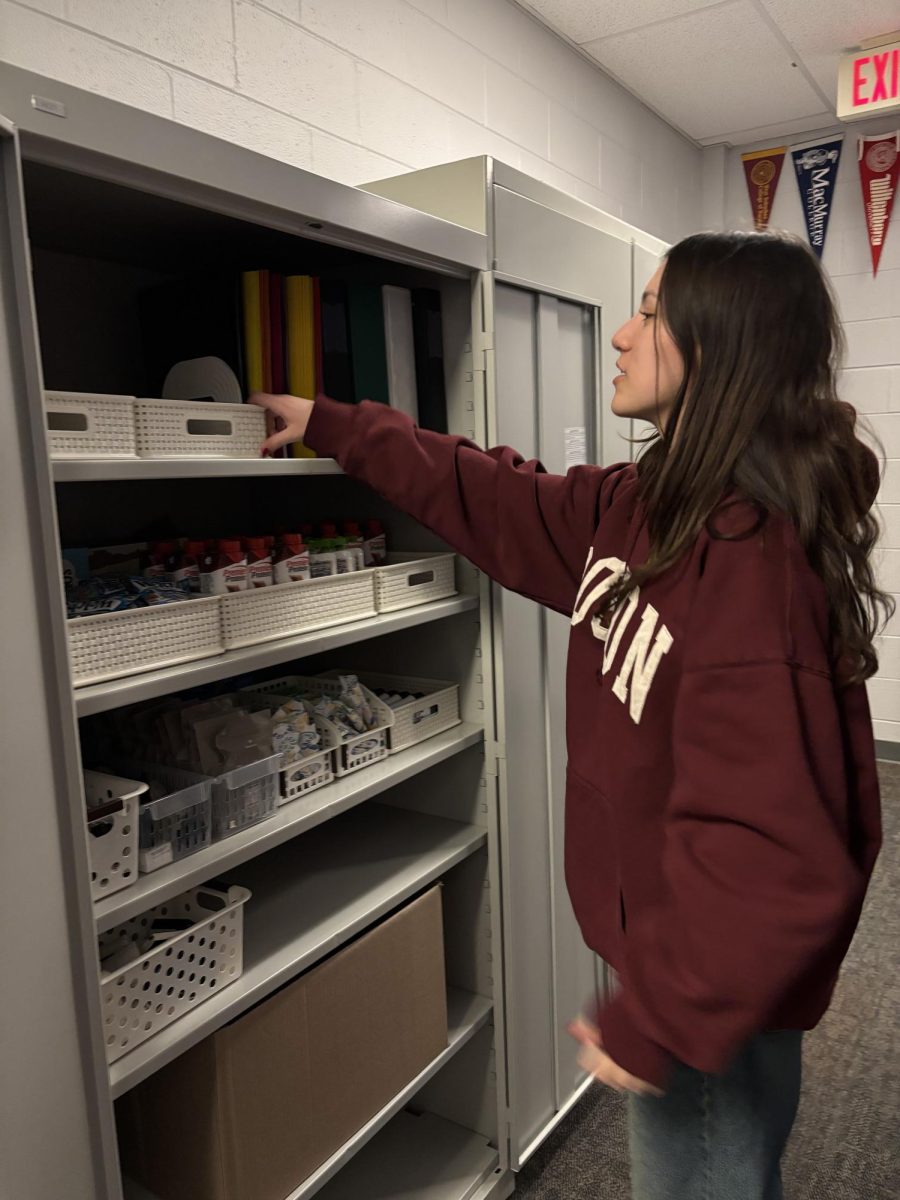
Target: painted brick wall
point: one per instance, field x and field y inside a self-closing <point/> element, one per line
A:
<point x="870" y="309"/>
<point x="359" y="90"/>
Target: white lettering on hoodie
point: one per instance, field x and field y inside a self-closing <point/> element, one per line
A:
<point x="648" y="644"/>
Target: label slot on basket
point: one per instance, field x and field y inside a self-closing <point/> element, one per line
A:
<point x="422" y="714"/>
<point x="420" y="578"/>
<point x="67" y="422"/>
<point x="207" y="427"/>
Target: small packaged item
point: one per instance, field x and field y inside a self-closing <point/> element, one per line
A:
<point x="294" y="734"/>
<point x="158" y="561"/>
<point x="375" y="544"/>
<point x="186" y="565"/>
<point x="322" y="559"/>
<point x="245" y="738"/>
<point x="291" y="562"/>
<point x="223" y="568"/>
<point x="354" y="697"/>
<point x="259" y="562"/>
<point x="354" y="541"/>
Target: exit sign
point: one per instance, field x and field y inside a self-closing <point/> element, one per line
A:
<point x="869" y="82"/>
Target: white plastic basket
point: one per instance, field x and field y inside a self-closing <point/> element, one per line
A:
<point x="189" y="429"/>
<point x="351" y="754"/>
<point x="162" y="985"/>
<point x="292" y="608"/>
<point x="306" y="775"/>
<point x="417" y="720"/>
<point x="245" y="796"/>
<point x="177" y="824"/>
<point x="110" y="645"/>
<point x="90" y="425"/>
<point x="112" y="831"/>
<point x="408" y="579"/>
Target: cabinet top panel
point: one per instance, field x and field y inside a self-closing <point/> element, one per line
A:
<point x="91" y="135"/>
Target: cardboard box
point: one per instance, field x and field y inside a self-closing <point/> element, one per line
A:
<point x="254" y="1109"/>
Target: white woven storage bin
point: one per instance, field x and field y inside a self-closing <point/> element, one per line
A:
<point x="189" y="429"/>
<point x="245" y="796"/>
<point x="159" y="987"/>
<point x="111" y="645"/>
<point x="410" y="579"/>
<point x="287" y="609"/>
<point x="113" y="835"/>
<point x="310" y="773"/>
<point x="90" y="425"/>
<point x="417" y="720"/>
<point x="351" y="754"/>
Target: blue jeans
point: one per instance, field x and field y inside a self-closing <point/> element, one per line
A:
<point x="719" y="1137"/>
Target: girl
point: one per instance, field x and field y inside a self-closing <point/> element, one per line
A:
<point x="722" y="804"/>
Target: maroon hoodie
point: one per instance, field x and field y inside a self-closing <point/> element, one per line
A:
<point x="722" y="806"/>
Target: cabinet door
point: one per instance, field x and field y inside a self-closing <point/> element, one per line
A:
<point x="56" y="1132"/>
<point x="545" y="354"/>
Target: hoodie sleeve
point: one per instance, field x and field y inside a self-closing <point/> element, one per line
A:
<point x="525" y="528"/>
<point x="769" y="839"/>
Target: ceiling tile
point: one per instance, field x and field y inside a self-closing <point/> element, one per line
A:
<point x="587" y="20"/>
<point x="710" y="73"/>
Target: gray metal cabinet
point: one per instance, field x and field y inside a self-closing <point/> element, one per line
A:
<point x="532" y="286"/>
<point x="562" y="279"/>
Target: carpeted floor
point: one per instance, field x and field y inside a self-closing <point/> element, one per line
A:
<point x="846" y="1142"/>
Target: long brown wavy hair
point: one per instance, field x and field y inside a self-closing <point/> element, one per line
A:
<point x="755" y="322"/>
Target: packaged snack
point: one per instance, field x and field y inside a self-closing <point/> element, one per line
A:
<point x="322" y="560"/>
<point x="150" y="592"/>
<point x="245" y="738"/>
<point x="157" y="563"/>
<point x="259" y="562"/>
<point x="186" y="565"/>
<point x="294" y="734"/>
<point x="375" y="544"/>
<point x="291" y="559"/>
<point x="354" y="697"/>
<point x="223" y="568"/>
<point x="346" y="559"/>
<point x="354" y="541"/>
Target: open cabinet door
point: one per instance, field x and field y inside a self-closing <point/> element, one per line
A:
<point x="549" y="404"/>
<point x="56" y="1131"/>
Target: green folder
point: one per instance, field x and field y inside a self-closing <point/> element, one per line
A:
<point x="367" y="342"/>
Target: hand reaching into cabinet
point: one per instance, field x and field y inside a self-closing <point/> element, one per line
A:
<point x="287" y="418"/>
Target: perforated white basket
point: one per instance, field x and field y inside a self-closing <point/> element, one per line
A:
<point x="112" y="836"/>
<point x="416" y="720"/>
<point x="351" y="754"/>
<point x="162" y="985"/>
<point x="292" y="608"/>
<point x="90" y="425"/>
<point x="409" y="579"/>
<point x="307" y="775"/>
<point x="110" y="645"/>
<point x="188" y="429"/>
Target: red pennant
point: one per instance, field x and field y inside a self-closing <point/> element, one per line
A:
<point x="879" y="167"/>
<point x="762" y="169"/>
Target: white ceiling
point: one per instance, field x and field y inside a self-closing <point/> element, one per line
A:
<point x="734" y="71"/>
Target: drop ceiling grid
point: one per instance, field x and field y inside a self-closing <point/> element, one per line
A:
<point x="720" y="70"/>
<point x="711" y="71"/>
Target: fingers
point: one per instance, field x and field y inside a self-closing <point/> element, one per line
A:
<point x="583" y="1032"/>
<point x="276" y="441"/>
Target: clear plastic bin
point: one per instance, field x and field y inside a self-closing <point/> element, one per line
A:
<point x="245" y="796"/>
<point x="176" y="824"/>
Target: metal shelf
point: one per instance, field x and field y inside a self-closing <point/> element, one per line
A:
<point x="424" y="1156"/>
<point x="115" y="693"/>
<point x="289" y="821"/>
<point x="466" y="1014"/>
<point x="94" y="469"/>
<point x="309" y="897"/>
